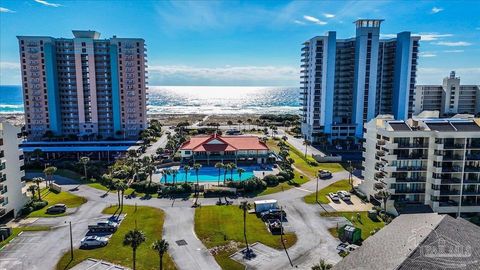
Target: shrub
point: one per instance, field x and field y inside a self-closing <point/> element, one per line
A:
<point x="249" y="185"/>
<point x="271" y="180"/>
<point x="281" y="179"/>
<point x="145" y="187"/>
<point x="33" y="206"/>
<point x="39" y="205"/>
<point x="217" y="193"/>
<point x="312" y="163"/>
<point x="287" y="175"/>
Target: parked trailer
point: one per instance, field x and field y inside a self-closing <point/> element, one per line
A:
<point x="265" y="205"/>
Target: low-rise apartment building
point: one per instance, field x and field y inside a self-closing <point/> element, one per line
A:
<point x="449" y="98"/>
<point x="12" y="199"/>
<point x="434" y="162"/>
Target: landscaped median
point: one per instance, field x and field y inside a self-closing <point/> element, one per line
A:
<point x="360" y="220"/>
<point x="323" y="193"/>
<point x="147" y="219"/>
<point x="52" y="198"/>
<point x="220" y="228"/>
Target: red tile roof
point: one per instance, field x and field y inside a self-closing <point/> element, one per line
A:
<point x="216" y="143"/>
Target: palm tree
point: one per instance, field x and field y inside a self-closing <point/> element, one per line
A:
<point x="229" y="123"/>
<point x="49" y="172"/>
<point x="121" y="187"/>
<point x="149" y="168"/>
<point x="33" y="190"/>
<point x="219" y="166"/>
<point x="84" y="161"/>
<point x="232" y="167"/>
<point x="160" y="246"/>
<point x="322" y="265"/>
<point x="249" y="121"/>
<point x="384" y="195"/>
<point x="245" y="206"/>
<point x="186" y="168"/>
<point x="134" y="239"/>
<point x="174" y="173"/>
<point x="240" y="171"/>
<point x="306" y="143"/>
<point x="116" y="186"/>
<point x="38" y="180"/>
<point x="226" y="167"/>
<point x="197" y="167"/>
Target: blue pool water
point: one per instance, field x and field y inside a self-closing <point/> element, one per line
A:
<point x="210" y="174"/>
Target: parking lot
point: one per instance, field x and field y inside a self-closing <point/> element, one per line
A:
<point x="355" y="204"/>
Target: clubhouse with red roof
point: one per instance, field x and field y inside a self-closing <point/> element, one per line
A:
<point x="215" y="148"/>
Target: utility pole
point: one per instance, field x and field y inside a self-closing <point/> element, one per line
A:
<point x="316" y="189"/>
<point x="350" y="178"/>
<point x="71" y="241"/>
<point x="281" y="235"/>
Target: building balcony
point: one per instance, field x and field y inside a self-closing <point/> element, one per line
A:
<point x="408" y="191"/>
<point x="454" y="146"/>
<point x="411" y="180"/>
<point x="413" y="145"/>
<point x="411" y="168"/>
<point x="449" y="192"/>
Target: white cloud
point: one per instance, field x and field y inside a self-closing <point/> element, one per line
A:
<point x="9" y="65"/>
<point x="453" y="51"/>
<point x="45" y="3"/>
<point x="436" y="10"/>
<point x="237" y="75"/>
<point x="424" y="36"/>
<point x="328" y="15"/>
<point x="314" y="20"/>
<point x="453" y="44"/>
<point x="298" y="22"/>
<point x="6" y="10"/>
<point x="432" y="36"/>
<point x="428" y="54"/>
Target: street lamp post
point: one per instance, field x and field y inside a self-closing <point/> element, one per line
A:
<point x="316" y="190"/>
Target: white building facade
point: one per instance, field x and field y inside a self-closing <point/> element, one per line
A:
<point x="449" y="98"/>
<point x="12" y="199"/>
<point x="434" y="162"/>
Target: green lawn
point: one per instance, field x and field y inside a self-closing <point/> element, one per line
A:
<point x="301" y="161"/>
<point x="98" y="186"/>
<point x="365" y="223"/>
<point x="323" y="193"/>
<point x="16" y="231"/>
<point x="67" y="198"/>
<point x="296" y="181"/>
<point x="149" y="220"/>
<point x="222" y="227"/>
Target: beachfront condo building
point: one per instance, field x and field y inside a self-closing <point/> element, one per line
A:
<point x="12" y="199"/>
<point x="83" y="86"/>
<point x="347" y="82"/>
<point x="429" y="162"/>
<point x="448" y="99"/>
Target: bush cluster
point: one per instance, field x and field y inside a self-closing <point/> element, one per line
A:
<point x="145" y="187"/>
<point x="177" y="189"/>
<point x="249" y="185"/>
<point x="33" y="206"/>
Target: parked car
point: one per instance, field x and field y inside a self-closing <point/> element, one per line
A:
<point x="346" y="247"/>
<point x="272" y="214"/>
<point x="57" y="209"/>
<point x="334" y="197"/>
<point x="344" y="195"/>
<point x="323" y="174"/>
<point x="94" y="241"/>
<point x="103" y="226"/>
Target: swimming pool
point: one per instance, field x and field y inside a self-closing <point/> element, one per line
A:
<point x="210" y="174"/>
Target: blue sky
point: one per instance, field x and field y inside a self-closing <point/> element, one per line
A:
<point x="246" y="42"/>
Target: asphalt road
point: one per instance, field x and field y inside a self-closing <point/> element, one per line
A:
<point x="31" y="250"/>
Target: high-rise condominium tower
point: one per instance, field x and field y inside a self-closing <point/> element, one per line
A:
<point x="347" y="82"/>
<point x="85" y="86"/>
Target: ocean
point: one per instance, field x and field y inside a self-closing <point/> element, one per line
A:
<point x="195" y="99"/>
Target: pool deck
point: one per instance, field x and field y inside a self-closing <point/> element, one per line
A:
<point x="261" y="174"/>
